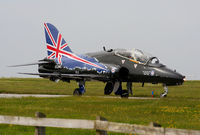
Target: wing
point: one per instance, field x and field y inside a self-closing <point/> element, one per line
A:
<point x="69" y="76"/>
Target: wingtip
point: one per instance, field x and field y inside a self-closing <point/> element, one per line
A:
<point x="27" y="73"/>
<point x="13" y="66"/>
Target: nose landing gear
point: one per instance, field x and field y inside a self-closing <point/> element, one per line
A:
<point x="164" y="94"/>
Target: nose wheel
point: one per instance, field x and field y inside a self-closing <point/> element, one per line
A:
<point x="164" y="94"/>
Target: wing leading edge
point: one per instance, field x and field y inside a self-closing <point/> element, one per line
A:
<point x="68" y="76"/>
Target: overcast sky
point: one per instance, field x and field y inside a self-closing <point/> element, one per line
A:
<point x="168" y="29"/>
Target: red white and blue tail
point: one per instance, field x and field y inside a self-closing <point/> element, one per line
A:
<point x="58" y="50"/>
<point x="55" y="43"/>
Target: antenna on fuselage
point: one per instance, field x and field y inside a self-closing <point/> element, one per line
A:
<point x="104" y="48"/>
<point x="110" y="50"/>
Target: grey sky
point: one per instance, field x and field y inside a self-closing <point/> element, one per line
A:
<point x="168" y="29"/>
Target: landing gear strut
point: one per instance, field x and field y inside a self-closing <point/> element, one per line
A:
<point x="118" y="90"/>
<point x="129" y="87"/>
<point x="165" y="91"/>
<point x="81" y="90"/>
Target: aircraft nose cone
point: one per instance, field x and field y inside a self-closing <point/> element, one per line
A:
<point x="172" y="77"/>
<point x="184" y="79"/>
<point x="179" y="77"/>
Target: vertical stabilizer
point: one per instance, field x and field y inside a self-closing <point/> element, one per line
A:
<point x="56" y="45"/>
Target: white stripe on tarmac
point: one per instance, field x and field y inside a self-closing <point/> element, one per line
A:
<point x="54" y="96"/>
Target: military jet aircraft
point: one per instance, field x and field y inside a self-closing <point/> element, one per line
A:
<point x="112" y="66"/>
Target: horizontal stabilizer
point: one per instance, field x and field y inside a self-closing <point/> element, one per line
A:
<point x="30" y="64"/>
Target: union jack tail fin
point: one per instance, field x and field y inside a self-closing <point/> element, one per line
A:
<point x="56" y="45"/>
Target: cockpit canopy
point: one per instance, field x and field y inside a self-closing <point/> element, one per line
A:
<point x="138" y="55"/>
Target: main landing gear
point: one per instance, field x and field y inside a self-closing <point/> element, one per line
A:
<point x="164" y="94"/>
<point x="116" y="87"/>
<point x="81" y="90"/>
<point x="129" y="87"/>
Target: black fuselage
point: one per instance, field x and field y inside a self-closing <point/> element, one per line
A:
<point x="131" y="71"/>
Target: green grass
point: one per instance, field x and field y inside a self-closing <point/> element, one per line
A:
<point x="190" y="89"/>
<point x="181" y="109"/>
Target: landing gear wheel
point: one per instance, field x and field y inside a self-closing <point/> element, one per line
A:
<point x="77" y="92"/>
<point x="107" y="91"/>
<point x="163" y="95"/>
<point x="81" y="90"/>
<point x="124" y="94"/>
<point x="108" y="88"/>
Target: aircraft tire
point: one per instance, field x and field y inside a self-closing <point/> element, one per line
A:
<point x="124" y="94"/>
<point x="77" y="92"/>
<point x="163" y="96"/>
<point x="107" y="92"/>
<point x="108" y="88"/>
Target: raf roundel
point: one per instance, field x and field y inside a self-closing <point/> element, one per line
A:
<point x="152" y="73"/>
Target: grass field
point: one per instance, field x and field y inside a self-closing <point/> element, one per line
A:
<point x="181" y="109"/>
